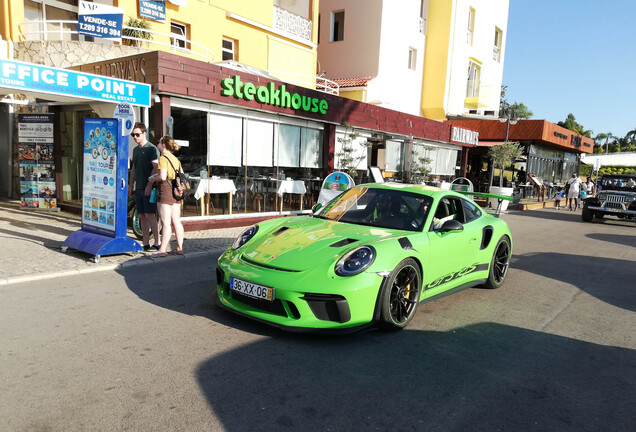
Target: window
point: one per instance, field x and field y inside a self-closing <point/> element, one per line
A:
<point x="412" y="58"/>
<point x="471" y="211"/>
<point x="229" y="49"/>
<point x="496" y="51"/>
<point x="472" y="86"/>
<point x="179" y="34"/>
<point x="337" y="26"/>
<point x="471" y="25"/>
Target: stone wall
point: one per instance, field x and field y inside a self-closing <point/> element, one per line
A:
<point x="65" y="54"/>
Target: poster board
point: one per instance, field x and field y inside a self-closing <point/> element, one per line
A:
<point x="36" y="165"/>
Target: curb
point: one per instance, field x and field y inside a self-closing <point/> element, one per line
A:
<point x="146" y="260"/>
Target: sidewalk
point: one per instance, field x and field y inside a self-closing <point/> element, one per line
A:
<point x="32" y="246"/>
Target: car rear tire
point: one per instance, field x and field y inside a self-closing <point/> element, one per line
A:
<point x="499" y="264"/>
<point x="587" y="215"/>
<point x="400" y="295"/>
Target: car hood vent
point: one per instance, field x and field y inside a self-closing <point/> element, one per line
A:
<point x="344" y="242"/>
<point x="280" y="230"/>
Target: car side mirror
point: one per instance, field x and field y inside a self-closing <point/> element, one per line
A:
<point x="316" y="208"/>
<point x="451" y="225"/>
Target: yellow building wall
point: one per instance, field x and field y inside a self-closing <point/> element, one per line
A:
<point x="208" y="23"/>
<point x="436" y="61"/>
<point x="359" y="95"/>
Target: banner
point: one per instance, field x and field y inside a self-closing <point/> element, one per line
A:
<point x="100" y="20"/>
<point x="154" y="10"/>
<point x="37" y="169"/>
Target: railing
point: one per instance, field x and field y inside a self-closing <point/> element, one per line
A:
<point x="496" y="53"/>
<point x="291" y="23"/>
<point x="322" y="84"/>
<point x="68" y="31"/>
<point x="422" y="25"/>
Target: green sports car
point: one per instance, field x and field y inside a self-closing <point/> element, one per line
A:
<point x="368" y="257"/>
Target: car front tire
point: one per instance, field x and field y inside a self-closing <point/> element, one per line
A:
<point x="587" y="215"/>
<point x="499" y="264"/>
<point x="400" y="295"/>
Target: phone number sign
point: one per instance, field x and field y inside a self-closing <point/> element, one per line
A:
<point x="100" y="20"/>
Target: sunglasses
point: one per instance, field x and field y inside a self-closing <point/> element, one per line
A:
<point x="135" y="135"/>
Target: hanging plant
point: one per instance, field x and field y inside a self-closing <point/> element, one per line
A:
<point x="138" y="31"/>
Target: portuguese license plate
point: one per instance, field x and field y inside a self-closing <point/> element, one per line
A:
<point x="251" y="289"/>
<point x="611" y="209"/>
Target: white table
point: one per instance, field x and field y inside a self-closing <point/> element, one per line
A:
<point x="213" y="186"/>
<point x="293" y="187"/>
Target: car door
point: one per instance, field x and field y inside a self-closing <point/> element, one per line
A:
<point x="452" y="254"/>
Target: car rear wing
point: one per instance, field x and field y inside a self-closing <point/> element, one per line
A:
<point x="499" y="198"/>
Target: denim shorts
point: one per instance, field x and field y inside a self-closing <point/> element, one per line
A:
<point x="143" y="202"/>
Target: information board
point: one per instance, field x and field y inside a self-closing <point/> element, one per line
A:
<point x="37" y="169"/>
<point x="99" y="168"/>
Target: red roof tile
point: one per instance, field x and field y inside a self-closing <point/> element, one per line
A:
<point x="353" y="82"/>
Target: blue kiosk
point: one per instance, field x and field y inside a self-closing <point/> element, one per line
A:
<point x="104" y="192"/>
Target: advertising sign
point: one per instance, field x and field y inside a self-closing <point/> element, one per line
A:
<point x="154" y="10"/>
<point x="126" y="113"/>
<point x="34" y="78"/>
<point x="37" y="169"/>
<point x="100" y="20"/>
<point x="100" y="168"/>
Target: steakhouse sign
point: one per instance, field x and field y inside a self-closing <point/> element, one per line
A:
<point x="271" y="95"/>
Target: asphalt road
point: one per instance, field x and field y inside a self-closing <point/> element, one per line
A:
<point x="554" y="349"/>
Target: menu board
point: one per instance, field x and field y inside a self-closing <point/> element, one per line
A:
<point x="100" y="171"/>
<point x="37" y="169"/>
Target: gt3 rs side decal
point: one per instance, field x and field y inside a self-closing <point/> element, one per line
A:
<point x="452" y="276"/>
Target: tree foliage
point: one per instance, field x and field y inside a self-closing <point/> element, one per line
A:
<point x="504" y="155"/>
<point x="514" y="110"/>
<point x="347" y="159"/>
<point x="571" y="124"/>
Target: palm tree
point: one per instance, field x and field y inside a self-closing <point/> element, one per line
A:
<point x="604" y="137"/>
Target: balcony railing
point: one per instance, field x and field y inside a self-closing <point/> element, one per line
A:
<point x="291" y="23"/>
<point x="60" y="30"/>
<point x="496" y="53"/>
<point x="308" y="81"/>
<point x="422" y="25"/>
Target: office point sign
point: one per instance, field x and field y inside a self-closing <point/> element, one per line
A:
<point x="269" y="94"/>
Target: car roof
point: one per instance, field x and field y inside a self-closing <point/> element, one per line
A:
<point x="413" y="188"/>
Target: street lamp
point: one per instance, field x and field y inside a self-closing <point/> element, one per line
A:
<point x="508" y="121"/>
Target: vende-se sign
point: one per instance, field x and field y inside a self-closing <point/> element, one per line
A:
<point x="100" y="21"/>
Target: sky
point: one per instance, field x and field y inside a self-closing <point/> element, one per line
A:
<point x="574" y="56"/>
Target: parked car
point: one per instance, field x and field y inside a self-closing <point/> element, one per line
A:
<point x="368" y="257"/>
<point x="616" y="196"/>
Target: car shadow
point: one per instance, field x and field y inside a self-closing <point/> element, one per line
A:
<point x="481" y="377"/>
<point x="607" y="279"/>
<point x="627" y="240"/>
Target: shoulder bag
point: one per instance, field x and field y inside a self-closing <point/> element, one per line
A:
<point x="179" y="182"/>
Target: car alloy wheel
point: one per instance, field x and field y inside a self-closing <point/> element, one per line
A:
<point x="400" y="295"/>
<point x="499" y="264"/>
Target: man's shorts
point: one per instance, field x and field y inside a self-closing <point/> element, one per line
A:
<point x="143" y="203"/>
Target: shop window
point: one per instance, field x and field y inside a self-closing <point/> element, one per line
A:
<point x="311" y="148"/>
<point x="229" y="49"/>
<point x="179" y="34"/>
<point x="412" y="58"/>
<point x="259" y="144"/>
<point x="496" y="51"/>
<point x="393" y="156"/>
<point x="288" y="145"/>
<point x="337" y="26"/>
<point x="225" y="140"/>
<point x="472" y="86"/>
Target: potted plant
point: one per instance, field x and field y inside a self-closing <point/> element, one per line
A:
<point x="348" y="156"/>
<point x="503" y="156"/>
<point x="136" y="28"/>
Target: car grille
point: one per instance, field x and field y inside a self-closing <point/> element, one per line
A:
<point x="274" y="307"/>
<point x="615" y="201"/>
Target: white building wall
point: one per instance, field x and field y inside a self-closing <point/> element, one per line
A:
<point x="489" y="14"/>
<point x="397" y="86"/>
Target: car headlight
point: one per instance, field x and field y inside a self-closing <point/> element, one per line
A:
<point x="245" y="237"/>
<point x="602" y="197"/>
<point x="356" y="261"/>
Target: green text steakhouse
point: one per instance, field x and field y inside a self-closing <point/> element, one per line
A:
<point x="272" y="96"/>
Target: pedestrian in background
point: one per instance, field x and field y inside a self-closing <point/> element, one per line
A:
<point x="574" y="191"/>
<point x="169" y="207"/>
<point x="144" y="163"/>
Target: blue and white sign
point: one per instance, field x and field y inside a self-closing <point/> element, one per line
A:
<point x="33" y="78"/>
<point x="100" y="20"/>
<point x="126" y="113"/>
<point x="154" y="10"/>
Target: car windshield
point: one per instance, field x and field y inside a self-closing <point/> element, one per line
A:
<point x="618" y="183"/>
<point x="382" y="208"/>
